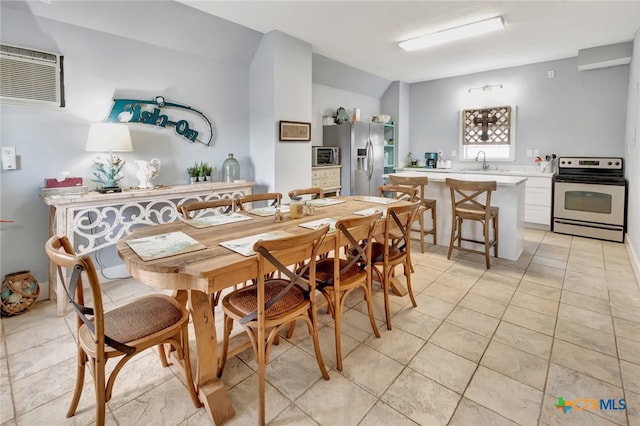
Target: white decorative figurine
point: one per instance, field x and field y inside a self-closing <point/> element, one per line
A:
<point x="147" y="172"/>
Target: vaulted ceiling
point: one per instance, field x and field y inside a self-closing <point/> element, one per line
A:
<point x="365" y="34"/>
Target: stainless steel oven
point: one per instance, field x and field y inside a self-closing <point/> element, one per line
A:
<point x="589" y="198"/>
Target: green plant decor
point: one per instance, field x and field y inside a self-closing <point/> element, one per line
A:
<point x="193" y="171"/>
<point x="108" y="171"/>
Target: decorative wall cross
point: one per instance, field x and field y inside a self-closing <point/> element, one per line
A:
<point x="485" y="120"/>
<point x="490" y="125"/>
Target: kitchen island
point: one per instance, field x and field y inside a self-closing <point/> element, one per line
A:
<point x="509" y="197"/>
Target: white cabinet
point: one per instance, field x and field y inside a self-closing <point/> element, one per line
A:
<point x="327" y="178"/>
<point x="537" y="200"/>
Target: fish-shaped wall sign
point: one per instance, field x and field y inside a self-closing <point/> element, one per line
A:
<point x="155" y="112"/>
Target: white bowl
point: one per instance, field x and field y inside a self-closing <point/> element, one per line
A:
<point x="381" y="118"/>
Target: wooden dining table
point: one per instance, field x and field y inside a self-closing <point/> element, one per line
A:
<point x="196" y="275"/>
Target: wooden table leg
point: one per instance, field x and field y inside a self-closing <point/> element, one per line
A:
<point x="397" y="288"/>
<point x="212" y="392"/>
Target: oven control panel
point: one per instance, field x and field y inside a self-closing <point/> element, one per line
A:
<point x="600" y="163"/>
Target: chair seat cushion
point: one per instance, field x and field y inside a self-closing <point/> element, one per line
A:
<point x="245" y="300"/>
<point x="325" y="269"/>
<point x="467" y="209"/>
<point x="140" y="318"/>
<point x="377" y="252"/>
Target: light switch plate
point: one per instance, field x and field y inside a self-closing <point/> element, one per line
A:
<point x="8" y="157"/>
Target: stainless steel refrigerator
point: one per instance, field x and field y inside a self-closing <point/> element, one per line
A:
<point x="361" y="155"/>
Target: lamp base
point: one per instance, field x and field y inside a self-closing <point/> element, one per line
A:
<point x="109" y="189"/>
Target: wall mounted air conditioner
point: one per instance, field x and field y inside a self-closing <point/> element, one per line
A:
<point x="30" y="76"/>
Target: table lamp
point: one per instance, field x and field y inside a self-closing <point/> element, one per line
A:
<point x="108" y="137"/>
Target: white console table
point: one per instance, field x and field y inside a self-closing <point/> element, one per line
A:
<point x="93" y="221"/>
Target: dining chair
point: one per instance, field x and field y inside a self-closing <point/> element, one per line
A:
<point x="419" y="182"/>
<point x="394" y="249"/>
<point x="273" y="303"/>
<point x="123" y="332"/>
<point x="271" y="198"/>
<point x="314" y="193"/>
<point x="472" y="200"/>
<point x="222" y="205"/>
<point x="337" y="277"/>
<point x="196" y="209"/>
<point x="400" y="192"/>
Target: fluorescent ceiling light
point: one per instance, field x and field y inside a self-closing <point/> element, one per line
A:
<point x="465" y="31"/>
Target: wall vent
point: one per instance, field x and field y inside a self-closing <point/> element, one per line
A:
<point x="31" y="76"/>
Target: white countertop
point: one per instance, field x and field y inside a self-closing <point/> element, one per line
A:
<point x="501" y="179"/>
<point x="525" y="171"/>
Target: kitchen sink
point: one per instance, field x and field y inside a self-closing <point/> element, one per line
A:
<point x="484" y="172"/>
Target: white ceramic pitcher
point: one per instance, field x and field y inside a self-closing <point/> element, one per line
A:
<point x="147" y="172"/>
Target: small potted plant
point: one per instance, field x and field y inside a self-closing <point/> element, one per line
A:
<point x="201" y="175"/>
<point x="193" y="172"/>
<point x="206" y="170"/>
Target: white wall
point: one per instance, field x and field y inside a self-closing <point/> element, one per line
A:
<point x="293" y="90"/>
<point x="632" y="163"/>
<point x="326" y="101"/>
<point x="263" y="115"/>
<point x="98" y="67"/>
<point x="575" y="113"/>
<point x="395" y="102"/>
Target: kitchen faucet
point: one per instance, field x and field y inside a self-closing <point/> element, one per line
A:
<point x="485" y="165"/>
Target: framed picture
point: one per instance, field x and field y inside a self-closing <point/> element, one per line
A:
<point x="295" y="131"/>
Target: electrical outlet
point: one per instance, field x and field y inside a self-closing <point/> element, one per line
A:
<point x="8" y="157"/>
<point x="551" y="74"/>
<point x="529" y="153"/>
<point x="454" y="153"/>
<point x="536" y="152"/>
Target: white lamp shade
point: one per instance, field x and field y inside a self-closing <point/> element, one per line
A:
<point x="109" y="137"/>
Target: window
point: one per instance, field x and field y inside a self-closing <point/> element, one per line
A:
<point x="491" y="130"/>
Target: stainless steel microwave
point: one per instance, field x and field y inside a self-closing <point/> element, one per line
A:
<point x="325" y="155"/>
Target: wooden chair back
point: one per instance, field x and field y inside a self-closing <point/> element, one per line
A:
<point x="471" y="199"/>
<point x="399" y="191"/>
<point x="416" y="182"/>
<point x="315" y="193"/>
<point x="277" y="254"/>
<point x="222" y="205"/>
<point x="397" y="230"/>
<point x="271" y="198"/>
<point x="61" y="253"/>
<point x="355" y="235"/>
<point x="419" y="182"/>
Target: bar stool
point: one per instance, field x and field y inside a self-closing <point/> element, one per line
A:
<point x="466" y="203"/>
<point x="419" y="182"/>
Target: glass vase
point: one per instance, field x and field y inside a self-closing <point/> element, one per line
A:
<point x="230" y="169"/>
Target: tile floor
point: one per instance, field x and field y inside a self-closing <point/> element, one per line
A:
<point x="483" y="347"/>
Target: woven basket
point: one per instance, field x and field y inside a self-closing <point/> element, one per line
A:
<point x="18" y="293"/>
